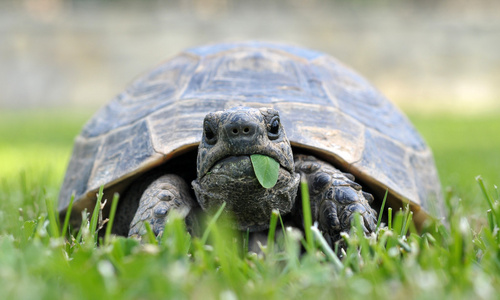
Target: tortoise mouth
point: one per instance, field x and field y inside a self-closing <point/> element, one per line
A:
<point x="232" y="180"/>
<point x="237" y="166"/>
<point x="242" y="161"/>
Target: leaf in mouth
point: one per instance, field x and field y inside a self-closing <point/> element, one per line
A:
<point x="266" y="169"/>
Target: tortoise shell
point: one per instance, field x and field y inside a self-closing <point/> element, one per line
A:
<point x="325" y="107"/>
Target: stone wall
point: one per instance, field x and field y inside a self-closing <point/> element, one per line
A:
<point x="56" y="53"/>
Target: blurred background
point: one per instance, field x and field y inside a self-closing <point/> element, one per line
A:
<point x="422" y="54"/>
<point x="60" y="60"/>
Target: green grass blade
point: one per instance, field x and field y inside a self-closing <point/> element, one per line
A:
<point x="54" y="226"/>
<point x="109" y="226"/>
<point x="489" y="199"/>
<point x="95" y="214"/>
<point x="246" y="237"/>
<point x="382" y="210"/>
<point x="82" y="225"/>
<point x="409" y="218"/>
<point x="327" y="250"/>
<point x="150" y="234"/>
<point x="491" y="220"/>
<point x="306" y="212"/>
<point x="389" y="217"/>
<point x="211" y="223"/>
<point x="406" y="220"/>
<point x="404" y="245"/>
<point x="175" y="239"/>
<point x="479" y="179"/>
<point x="68" y="215"/>
<point x="272" y="230"/>
<point x="283" y="229"/>
<point x="397" y="224"/>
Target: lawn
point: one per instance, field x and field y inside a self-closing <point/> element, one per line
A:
<point x="464" y="147"/>
<point x="458" y="261"/>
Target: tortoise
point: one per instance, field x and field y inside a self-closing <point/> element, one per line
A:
<point x="200" y="116"/>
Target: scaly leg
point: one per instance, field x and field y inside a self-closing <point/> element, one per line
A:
<point x="335" y="198"/>
<point x="161" y="196"/>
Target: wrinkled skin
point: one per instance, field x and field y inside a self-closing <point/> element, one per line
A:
<point x="225" y="174"/>
<point x="225" y="171"/>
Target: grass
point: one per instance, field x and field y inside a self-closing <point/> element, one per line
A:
<point x="464" y="147"/>
<point x="459" y="261"/>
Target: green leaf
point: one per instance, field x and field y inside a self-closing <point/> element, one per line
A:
<point x="266" y="169"/>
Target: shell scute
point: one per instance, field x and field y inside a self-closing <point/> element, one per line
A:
<point x="147" y="94"/>
<point x="79" y="169"/>
<point x="264" y="75"/>
<point x="122" y="152"/>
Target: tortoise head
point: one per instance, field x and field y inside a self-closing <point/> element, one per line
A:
<point x="225" y="171"/>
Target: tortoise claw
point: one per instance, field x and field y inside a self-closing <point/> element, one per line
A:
<point x="162" y="195"/>
<point x="350" y="176"/>
<point x="368" y="197"/>
<point x="336" y="199"/>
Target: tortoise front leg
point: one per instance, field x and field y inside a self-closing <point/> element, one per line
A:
<point x="161" y="196"/>
<point x="335" y="198"/>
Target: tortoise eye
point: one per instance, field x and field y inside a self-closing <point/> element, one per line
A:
<point x="209" y="133"/>
<point x="274" y="128"/>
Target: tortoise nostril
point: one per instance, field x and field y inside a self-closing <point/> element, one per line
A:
<point x="241" y="128"/>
